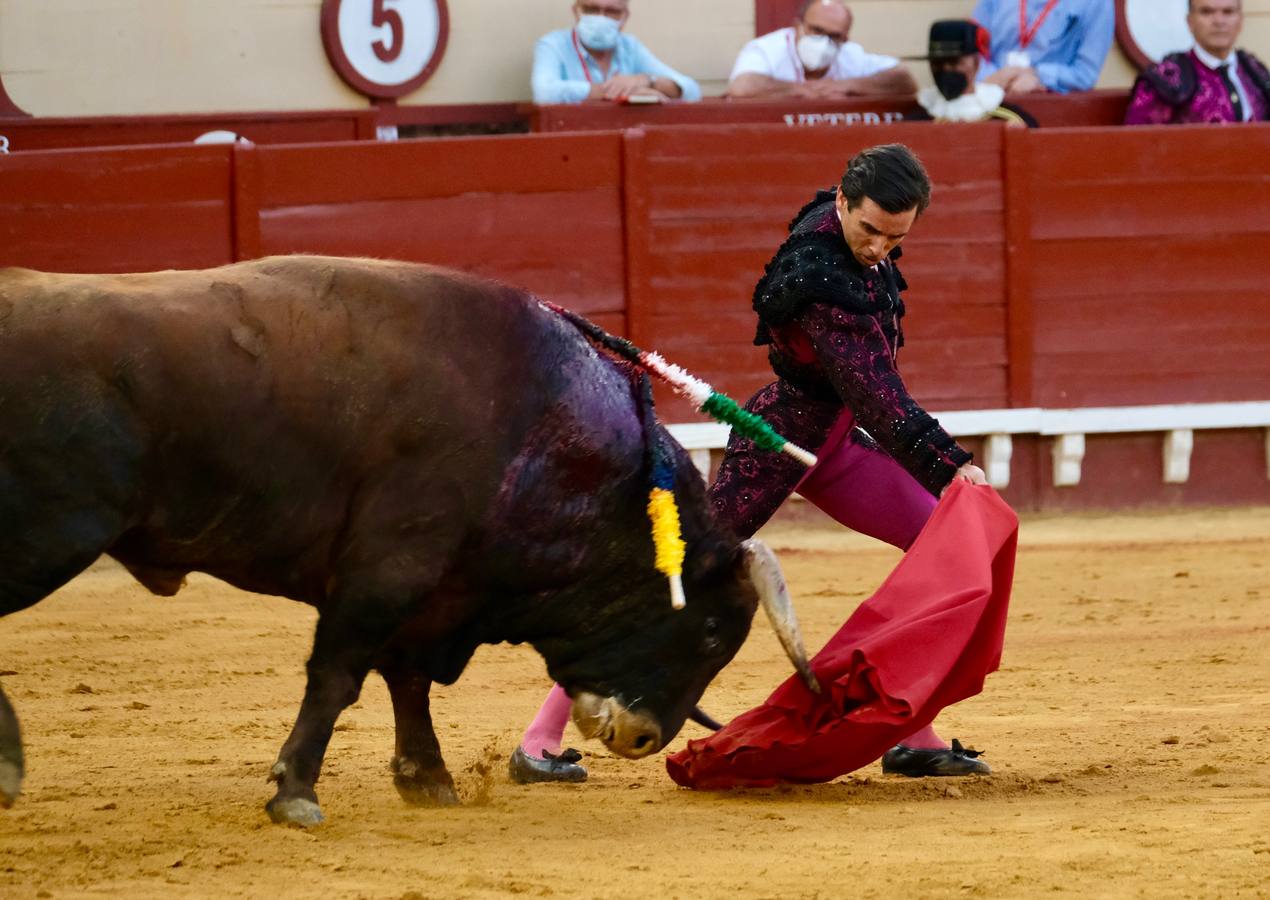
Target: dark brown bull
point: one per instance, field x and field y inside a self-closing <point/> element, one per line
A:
<point x="431" y="460"/>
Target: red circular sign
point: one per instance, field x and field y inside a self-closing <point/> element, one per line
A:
<point x="385" y="48"/>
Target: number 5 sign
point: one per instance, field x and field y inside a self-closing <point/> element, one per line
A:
<point x="385" y="48"/>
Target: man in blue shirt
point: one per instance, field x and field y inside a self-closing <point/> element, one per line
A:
<point x="1059" y="45"/>
<point x="594" y="60"/>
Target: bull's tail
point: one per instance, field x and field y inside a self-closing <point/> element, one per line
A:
<point x="11" y="764"/>
<point x="704" y="397"/>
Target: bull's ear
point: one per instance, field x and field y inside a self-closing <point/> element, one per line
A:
<point x="759" y="564"/>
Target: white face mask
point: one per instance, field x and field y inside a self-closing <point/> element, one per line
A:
<point x="816" y="51"/>
<point x="598" y="32"/>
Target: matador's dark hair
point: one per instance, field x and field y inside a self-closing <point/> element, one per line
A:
<point x="889" y="175"/>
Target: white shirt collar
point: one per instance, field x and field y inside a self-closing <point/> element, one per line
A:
<point x="1212" y="61"/>
<point x="972" y="107"/>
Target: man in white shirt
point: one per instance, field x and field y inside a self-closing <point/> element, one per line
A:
<point x="815" y="58"/>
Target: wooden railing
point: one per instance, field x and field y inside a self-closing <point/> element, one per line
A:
<point x="387" y="121"/>
<point x="1071" y="269"/>
<point x="1095" y="108"/>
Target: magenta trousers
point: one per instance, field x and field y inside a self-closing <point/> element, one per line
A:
<point x="865" y="489"/>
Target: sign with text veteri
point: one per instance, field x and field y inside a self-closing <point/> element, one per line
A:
<point x="843" y="118"/>
<point x="385" y="49"/>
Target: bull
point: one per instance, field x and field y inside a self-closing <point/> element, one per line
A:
<point x="432" y="460"/>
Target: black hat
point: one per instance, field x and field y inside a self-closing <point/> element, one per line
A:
<point x="953" y="38"/>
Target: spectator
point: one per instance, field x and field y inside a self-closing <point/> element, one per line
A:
<point x="1214" y="82"/>
<point x="1057" y="45"/>
<point x="954" y="50"/>
<point x="594" y="60"/>
<point x="815" y="57"/>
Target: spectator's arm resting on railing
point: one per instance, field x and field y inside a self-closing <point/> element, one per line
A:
<point x="549" y="82"/>
<point x="665" y="80"/>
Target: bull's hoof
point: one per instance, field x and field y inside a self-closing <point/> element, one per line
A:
<point x="294" y="811"/>
<point x="10" y="783"/>
<point x="421" y="786"/>
<point x="427" y="794"/>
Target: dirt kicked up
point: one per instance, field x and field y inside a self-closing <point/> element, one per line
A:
<point x="1129" y="731"/>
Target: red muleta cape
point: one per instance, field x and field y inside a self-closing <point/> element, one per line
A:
<point x="924" y="641"/>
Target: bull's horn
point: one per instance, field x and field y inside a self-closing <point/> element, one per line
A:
<point x="765" y="574"/>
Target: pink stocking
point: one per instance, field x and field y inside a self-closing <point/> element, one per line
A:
<point x="547" y="729"/>
<point x="926" y="739"/>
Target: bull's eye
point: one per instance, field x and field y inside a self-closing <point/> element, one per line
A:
<point x="710" y="642"/>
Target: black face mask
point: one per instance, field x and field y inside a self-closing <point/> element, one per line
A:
<point x="951" y="83"/>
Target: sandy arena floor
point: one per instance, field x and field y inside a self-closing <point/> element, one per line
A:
<point x="1129" y="730"/>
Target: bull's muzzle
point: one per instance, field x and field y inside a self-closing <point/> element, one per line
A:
<point x="626" y="732"/>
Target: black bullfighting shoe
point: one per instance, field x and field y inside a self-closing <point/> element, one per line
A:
<point x="957" y="760"/>
<point x="526" y="769"/>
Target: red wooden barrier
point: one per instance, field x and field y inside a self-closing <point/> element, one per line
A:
<point x="126" y="210"/>
<point x="707" y="207"/>
<point x="261" y="128"/>
<point x="1086" y="110"/>
<point x="1136" y="270"/>
<point x="598" y="116"/>
<point x="1094" y="108"/>
<point x="1228" y="468"/>
<point x="540" y="212"/>
<point x="454" y="114"/>
<point x="1141" y="264"/>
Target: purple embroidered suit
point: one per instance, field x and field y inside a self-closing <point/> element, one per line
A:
<point x="1181" y="89"/>
<point x="833" y="327"/>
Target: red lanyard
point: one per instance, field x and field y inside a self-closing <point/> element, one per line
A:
<point x="1026" y="34"/>
<point x="586" y="70"/>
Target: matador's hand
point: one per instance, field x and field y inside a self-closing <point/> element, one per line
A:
<point x="969" y="472"/>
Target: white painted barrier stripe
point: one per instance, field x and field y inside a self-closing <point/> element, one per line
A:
<point x="1069" y="426"/>
<point x="1087" y="420"/>
<point x="1120" y="419"/>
